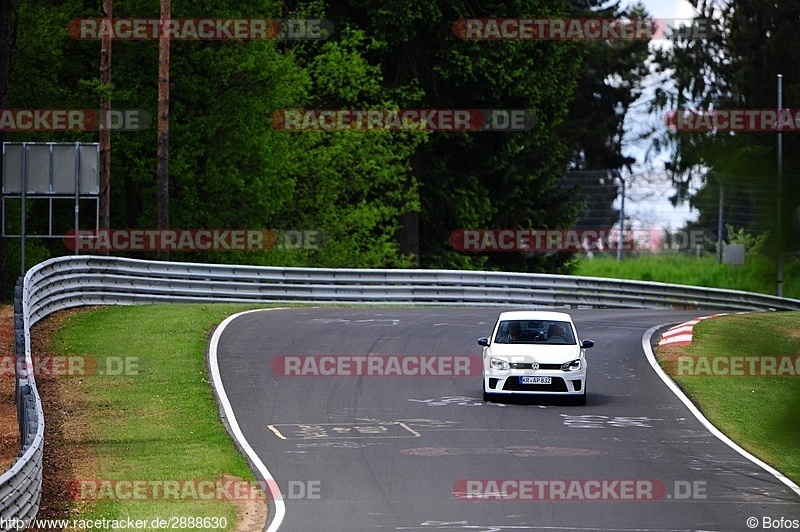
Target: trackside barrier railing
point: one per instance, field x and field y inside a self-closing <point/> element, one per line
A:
<point x="21" y="485"/>
<point x="74" y="281"/>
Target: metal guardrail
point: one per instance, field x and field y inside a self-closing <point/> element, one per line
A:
<point x="21" y="485"/>
<point x="73" y="281"/>
<point x="80" y="280"/>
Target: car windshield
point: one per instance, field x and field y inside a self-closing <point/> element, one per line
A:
<point x="545" y="332"/>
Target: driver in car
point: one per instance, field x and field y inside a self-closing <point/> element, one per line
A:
<point x="513" y="333"/>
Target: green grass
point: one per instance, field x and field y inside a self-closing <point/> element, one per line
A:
<point x="757" y="275"/>
<point x="760" y="413"/>
<point x="161" y="424"/>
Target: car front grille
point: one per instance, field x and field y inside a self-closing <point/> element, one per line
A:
<point x="557" y="385"/>
<point x="521" y="365"/>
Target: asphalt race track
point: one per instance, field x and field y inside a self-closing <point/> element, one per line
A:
<point x="398" y="452"/>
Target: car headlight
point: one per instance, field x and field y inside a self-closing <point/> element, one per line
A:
<point x="572" y="365"/>
<point x="498" y="363"/>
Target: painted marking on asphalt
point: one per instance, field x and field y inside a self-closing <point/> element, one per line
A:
<point x="464" y="525"/>
<point x="522" y="451"/>
<point x="316" y="431"/>
<point x="216" y="381"/>
<point x="440" y="425"/>
<point x="418" y="423"/>
<point x="602" y="422"/>
<point x="380" y="321"/>
<point x="454" y="400"/>
<point x="681" y="334"/>
<point x="338" y="444"/>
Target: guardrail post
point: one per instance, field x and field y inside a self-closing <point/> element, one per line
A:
<point x="19" y="356"/>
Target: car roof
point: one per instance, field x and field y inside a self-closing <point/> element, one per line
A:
<point x="535" y="315"/>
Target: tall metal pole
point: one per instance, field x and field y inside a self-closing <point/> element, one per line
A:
<point x="719" y="220"/>
<point x="77" y="193"/>
<point x="621" y="218"/>
<point x="24" y="195"/>
<point x="778" y="231"/>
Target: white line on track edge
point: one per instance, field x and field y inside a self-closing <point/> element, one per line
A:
<point x="701" y="418"/>
<point x="280" y="506"/>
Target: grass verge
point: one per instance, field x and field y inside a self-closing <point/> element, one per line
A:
<point x="150" y="416"/>
<point x="757" y="275"/>
<point x="760" y="413"/>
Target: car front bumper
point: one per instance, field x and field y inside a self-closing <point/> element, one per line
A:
<point x="562" y="382"/>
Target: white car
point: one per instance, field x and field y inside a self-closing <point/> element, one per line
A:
<point x="534" y="352"/>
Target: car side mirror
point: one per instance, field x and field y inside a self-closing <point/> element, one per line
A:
<point x="483" y="341"/>
<point x="586" y="344"/>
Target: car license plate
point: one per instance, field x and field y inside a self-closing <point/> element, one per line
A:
<point x="534" y="380"/>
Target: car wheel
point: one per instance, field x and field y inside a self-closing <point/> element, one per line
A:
<point x="487" y="396"/>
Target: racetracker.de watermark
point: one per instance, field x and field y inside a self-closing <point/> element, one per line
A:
<point x="733" y="120"/>
<point x="123" y="523"/>
<point x="575" y="240"/>
<point x="199" y="29"/>
<point x="194" y="240"/>
<point x="579" y="29"/>
<point x="376" y="366"/>
<point x="74" y="366"/>
<point x="578" y="489"/>
<point x="197" y="490"/>
<point x="74" y="120"/>
<point x="733" y="366"/>
<point x="452" y="120"/>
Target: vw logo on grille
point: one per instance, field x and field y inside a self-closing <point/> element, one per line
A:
<point x="535" y="366"/>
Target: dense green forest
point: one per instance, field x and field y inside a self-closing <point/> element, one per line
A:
<point x="388" y="199"/>
<point x="750" y="43"/>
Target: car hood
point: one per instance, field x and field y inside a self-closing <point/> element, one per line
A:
<point x="543" y="354"/>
